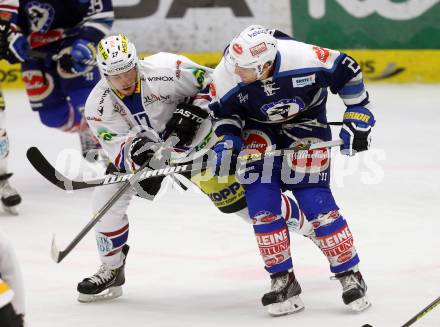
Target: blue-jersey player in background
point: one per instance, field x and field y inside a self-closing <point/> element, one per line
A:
<point x="60" y="72"/>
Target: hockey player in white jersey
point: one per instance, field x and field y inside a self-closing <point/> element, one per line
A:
<point x="271" y="90"/>
<point x="149" y="97"/>
<point x="136" y="103"/>
<point x="12" y="307"/>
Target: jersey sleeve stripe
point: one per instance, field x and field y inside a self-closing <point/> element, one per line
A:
<point x="354" y="99"/>
<point x="349" y="90"/>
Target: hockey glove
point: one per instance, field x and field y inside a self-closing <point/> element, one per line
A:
<point x="355" y="131"/>
<point x="227" y="150"/>
<point x="185" y="122"/>
<point x="142" y="150"/>
<point x="13" y="45"/>
<point x="80" y="57"/>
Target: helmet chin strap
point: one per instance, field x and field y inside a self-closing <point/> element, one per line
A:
<point x="259" y="71"/>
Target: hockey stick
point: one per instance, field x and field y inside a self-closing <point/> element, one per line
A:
<point x="129" y="179"/>
<point x="36" y="54"/>
<point x="422" y="313"/>
<point x="42" y="165"/>
<point x="58" y="255"/>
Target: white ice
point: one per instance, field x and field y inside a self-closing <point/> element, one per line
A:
<point x="190" y="265"/>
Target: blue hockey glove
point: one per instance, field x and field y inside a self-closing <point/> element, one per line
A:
<point x="80" y="57"/>
<point x="226" y="157"/>
<point x="355" y="131"/>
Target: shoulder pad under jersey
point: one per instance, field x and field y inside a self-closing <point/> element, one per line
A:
<point x="224" y="84"/>
<point x="298" y="57"/>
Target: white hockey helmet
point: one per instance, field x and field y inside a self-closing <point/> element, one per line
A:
<point x="252" y="48"/>
<point x="116" y="55"/>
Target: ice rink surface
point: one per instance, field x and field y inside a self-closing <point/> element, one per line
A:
<point x="190" y="265"/>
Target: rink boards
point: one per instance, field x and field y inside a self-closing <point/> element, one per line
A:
<point x="391" y="66"/>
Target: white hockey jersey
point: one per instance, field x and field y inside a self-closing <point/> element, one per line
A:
<point x="165" y="80"/>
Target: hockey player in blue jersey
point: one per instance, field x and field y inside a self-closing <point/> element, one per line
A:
<point x="60" y="78"/>
<point x="270" y="90"/>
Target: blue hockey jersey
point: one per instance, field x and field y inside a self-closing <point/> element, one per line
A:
<point x="47" y="22"/>
<point x="302" y="74"/>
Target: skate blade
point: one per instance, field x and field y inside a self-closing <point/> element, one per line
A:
<point x="292" y="305"/>
<point x="360" y="304"/>
<point x="111" y="293"/>
<point x="13" y="210"/>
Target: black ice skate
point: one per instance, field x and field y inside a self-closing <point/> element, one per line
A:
<point x="105" y="284"/>
<point x="354" y="290"/>
<point x="284" y="295"/>
<point x="9" y="196"/>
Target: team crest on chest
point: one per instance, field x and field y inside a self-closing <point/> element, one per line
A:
<point x="40" y="16"/>
<point x="283" y="109"/>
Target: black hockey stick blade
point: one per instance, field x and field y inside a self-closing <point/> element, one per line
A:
<point x="40" y="163"/>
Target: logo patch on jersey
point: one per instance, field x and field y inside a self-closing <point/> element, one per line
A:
<point x="309" y="161"/>
<point x="258" y="49"/>
<point x="269" y="88"/>
<point x="178" y="71"/>
<point x="152" y="98"/>
<point x="283" y="109"/>
<point x="237" y="48"/>
<point x="303" y="80"/>
<point x="200" y="76"/>
<point x="105" y="135"/>
<point x="119" y="109"/>
<point x="256" y="141"/>
<point x="161" y="78"/>
<point x="93" y="118"/>
<point x="38" y="87"/>
<point x="242" y="98"/>
<point x="322" y="54"/>
<point x="40" y="16"/>
<point x="37" y="39"/>
<point x="101" y="102"/>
